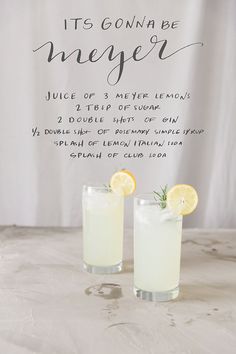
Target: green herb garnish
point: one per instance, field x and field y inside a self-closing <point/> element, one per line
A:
<point x="161" y="197"/>
<point x="107" y="186"/>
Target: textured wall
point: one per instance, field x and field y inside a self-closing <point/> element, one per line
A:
<point x="39" y="183"/>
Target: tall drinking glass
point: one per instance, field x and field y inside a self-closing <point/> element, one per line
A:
<point x="103" y="214"/>
<point x="157" y="250"/>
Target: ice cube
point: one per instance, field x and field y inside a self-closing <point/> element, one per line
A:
<point x="167" y="215"/>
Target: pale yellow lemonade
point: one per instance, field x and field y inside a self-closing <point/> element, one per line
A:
<point x="158" y="220"/>
<point x="157" y="247"/>
<point x="103" y="219"/>
<point x="103" y="214"/>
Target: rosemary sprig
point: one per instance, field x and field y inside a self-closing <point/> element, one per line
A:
<point x="107" y="186"/>
<point x="161" y="197"/>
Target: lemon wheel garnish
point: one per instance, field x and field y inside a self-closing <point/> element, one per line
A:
<point x="182" y="199"/>
<point x="123" y="182"/>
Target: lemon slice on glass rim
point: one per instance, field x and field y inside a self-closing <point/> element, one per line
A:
<point x="123" y="182"/>
<point x="182" y="199"/>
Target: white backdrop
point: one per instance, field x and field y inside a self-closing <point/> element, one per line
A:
<point x="39" y="184"/>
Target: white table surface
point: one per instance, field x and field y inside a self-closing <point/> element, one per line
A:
<point x="48" y="305"/>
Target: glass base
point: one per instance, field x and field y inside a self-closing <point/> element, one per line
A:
<point x="116" y="268"/>
<point x="156" y="296"/>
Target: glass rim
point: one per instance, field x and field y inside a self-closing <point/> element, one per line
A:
<point x="146" y="199"/>
<point x="149" y="196"/>
<point x="96" y="187"/>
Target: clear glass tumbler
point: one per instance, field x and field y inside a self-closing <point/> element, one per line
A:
<point x="103" y="215"/>
<point x="157" y="250"/>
